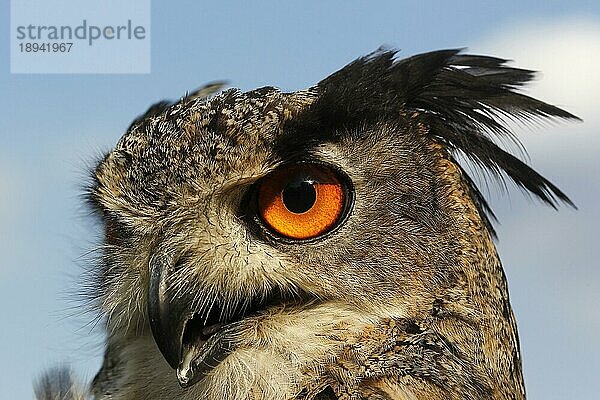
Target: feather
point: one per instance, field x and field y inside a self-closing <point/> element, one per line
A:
<point x="58" y="384"/>
<point x="465" y="100"/>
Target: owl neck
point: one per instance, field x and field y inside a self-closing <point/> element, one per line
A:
<point x="475" y="311"/>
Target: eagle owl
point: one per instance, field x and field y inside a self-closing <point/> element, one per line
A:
<point x="318" y="244"/>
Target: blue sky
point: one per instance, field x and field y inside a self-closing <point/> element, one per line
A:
<point x="54" y="127"/>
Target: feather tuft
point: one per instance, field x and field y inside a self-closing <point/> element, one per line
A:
<point x="58" y="384"/>
<point x="465" y="100"/>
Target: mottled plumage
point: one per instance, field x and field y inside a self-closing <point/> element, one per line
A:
<point x="404" y="298"/>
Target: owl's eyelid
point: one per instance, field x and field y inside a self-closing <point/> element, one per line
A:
<point x="307" y="159"/>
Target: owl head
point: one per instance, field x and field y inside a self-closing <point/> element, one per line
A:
<point x="319" y="241"/>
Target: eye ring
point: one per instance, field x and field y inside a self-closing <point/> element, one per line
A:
<point x="303" y="201"/>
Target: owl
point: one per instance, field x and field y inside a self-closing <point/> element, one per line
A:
<point x="321" y="244"/>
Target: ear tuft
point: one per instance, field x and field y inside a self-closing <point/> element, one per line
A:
<point x="464" y="100"/>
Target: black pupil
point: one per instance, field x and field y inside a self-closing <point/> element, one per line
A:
<point x="299" y="197"/>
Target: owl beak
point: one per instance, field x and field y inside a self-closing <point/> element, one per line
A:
<point x="167" y="315"/>
<point x="191" y="342"/>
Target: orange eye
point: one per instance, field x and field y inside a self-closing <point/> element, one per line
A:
<point x="301" y="201"/>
